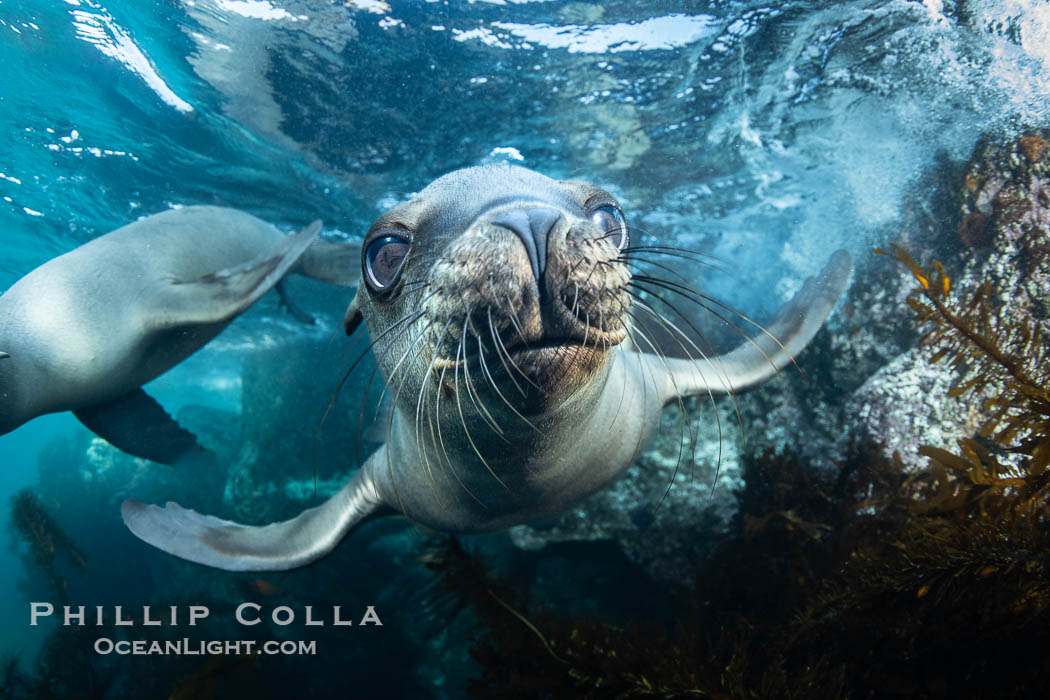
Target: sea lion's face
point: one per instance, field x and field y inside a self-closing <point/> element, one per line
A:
<point x="499" y="284"/>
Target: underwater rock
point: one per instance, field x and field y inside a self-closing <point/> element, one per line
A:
<point x="1006" y="211"/>
<point x="1004" y="228"/>
<point x="906" y="404"/>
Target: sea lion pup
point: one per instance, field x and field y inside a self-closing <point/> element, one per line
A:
<point x="499" y="302"/>
<point x="84" y="331"/>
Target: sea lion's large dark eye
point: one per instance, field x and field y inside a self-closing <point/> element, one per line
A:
<point x="611" y="221"/>
<point x="383" y="259"/>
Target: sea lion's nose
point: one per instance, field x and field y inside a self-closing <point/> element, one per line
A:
<point x="532" y="226"/>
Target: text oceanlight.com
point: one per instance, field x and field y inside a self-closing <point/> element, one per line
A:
<point x="191" y="647"/>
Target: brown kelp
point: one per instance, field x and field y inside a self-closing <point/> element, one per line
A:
<point x="45" y="538"/>
<point x="867" y="581"/>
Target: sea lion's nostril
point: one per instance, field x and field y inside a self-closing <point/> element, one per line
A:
<point x="532" y="226"/>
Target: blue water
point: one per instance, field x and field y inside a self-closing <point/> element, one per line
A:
<point x="767" y="134"/>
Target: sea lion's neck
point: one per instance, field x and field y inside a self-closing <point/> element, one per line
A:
<point x="475" y="480"/>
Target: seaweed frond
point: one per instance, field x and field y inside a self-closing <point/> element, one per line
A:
<point x="1001" y="360"/>
<point x="45" y="537"/>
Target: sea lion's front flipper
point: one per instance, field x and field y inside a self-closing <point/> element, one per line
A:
<point x="764" y="354"/>
<point x="223" y="544"/>
<point x="221" y="295"/>
<point x="135" y="423"/>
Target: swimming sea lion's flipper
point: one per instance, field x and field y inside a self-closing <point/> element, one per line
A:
<point x="765" y="353"/>
<point x="135" y="423"/>
<point x="221" y="295"/>
<point x="290" y="306"/>
<point x="223" y="544"/>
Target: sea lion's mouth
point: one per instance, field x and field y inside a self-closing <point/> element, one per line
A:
<point x="529" y="356"/>
<point x="544" y="356"/>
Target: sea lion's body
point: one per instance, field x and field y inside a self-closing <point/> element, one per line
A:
<point x="88" y="328"/>
<point x="501" y="307"/>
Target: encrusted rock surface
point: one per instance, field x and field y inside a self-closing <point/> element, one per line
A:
<point x="906" y="404"/>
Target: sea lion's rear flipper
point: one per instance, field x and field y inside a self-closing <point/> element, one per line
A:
<point x="221" y="295"/>
<point x="223" y="544"/>
<point x="763" y="355"/>
<point x="333" y="262"/>
<point x="135" y="423"/>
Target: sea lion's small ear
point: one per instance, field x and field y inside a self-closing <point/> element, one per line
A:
<point x="353" y="317"/>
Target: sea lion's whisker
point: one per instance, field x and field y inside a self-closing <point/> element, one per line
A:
<point x="641" y="253"/>
<point x="514" y="321"/>
<point x="674" y="332"/>
<point x="575" y="266"/>
<point x="623" y="385"/>
<point x="427" y="385"/>
<point x="441" y="439"/>
<point x="390" y="419"/>
<point x="463" y="422"/>
<point x="472" y="393"/>
<point x="703" y="300"/>
<point x="726" y="383"/>
<point x="670" y="270"/>
<point x="601" y="322"/>
<point x="694" y="433"/>
<point x="500" y="350"/>
<point x="645" y="385"/>
<point x="698" y="254"/>
<point x="412" y="318"/>
<point x="423" y="390"/>
<point x="594" y="267"/>
<point x="361" y="413"/>
<point x="495" y="387"/>
<point x="368" y="386"/>
<point x="575" y="298"/>
<point x="682" y="418"/>
<point x="397" y="366"/>
<point x="515" y="365"/>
